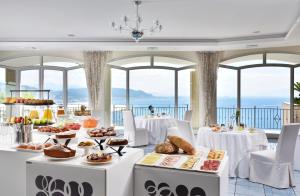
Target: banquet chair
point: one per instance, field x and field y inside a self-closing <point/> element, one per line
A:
<point x="184" y="130"/>
<point x="188" y="115"/>
<point x="136" y="136"/>
<point x="275" y="168"/>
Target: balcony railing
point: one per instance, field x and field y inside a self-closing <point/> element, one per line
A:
<point x="175" y="112"/>
<point x="263" y="118"/>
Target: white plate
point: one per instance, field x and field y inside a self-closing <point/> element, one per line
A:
<point x="84" y="160"/>
<point x="60" y="159"/>
<point x="99" y="138"/>
<point x="28" y="150"/>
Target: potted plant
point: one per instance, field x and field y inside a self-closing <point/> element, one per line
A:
<point x="297" y="88"/>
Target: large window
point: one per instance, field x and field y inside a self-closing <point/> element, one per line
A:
<point x="184" y="87"/>
<point x="227" y="88"/>
<point x="77" y="89"/>
<point x="29" y="81"/>
<point x="118" y="85"/>
<point x="264" y="87"/>
<point x="152" y="87"/>
<point x="53" y="80"/>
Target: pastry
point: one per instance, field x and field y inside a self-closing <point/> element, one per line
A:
<point x="182" y="144"/>
<point x="65" y="135"/>
<point x="151" y="159"/>
<point x="170" y="161"/>
<point x="86" y="144"/>
<point x="101" y="132"/>
<point x="59" y="151"/>
<point x="49" y="129"/>
<point x="99" y="157"/>
<point x="216" y="154"/>
<point x="166" y="148"/>
<point x="117" y="142"/>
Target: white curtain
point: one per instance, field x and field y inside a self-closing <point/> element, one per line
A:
<point x="99" y="84"/>
<point x="206" y="74"/>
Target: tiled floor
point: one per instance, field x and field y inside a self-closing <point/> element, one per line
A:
<point x="243" y="187"/>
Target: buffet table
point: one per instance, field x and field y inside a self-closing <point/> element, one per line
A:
<point x="154" y="181"/>
<point x="238" y="145"/>
<point x="74" y="177"/>
<point x="156" y="126"/>
<point x="13" y="171"/>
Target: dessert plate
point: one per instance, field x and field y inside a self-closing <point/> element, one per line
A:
<point x="84" y="160"/>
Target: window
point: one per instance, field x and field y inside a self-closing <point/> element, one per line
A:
<point x="184" y="84"/>
<point x="118" y="85"/>
<point x="244" y="60"/>
<point x="2" y="84"/>
<point x="53" y="80"/>
<point x="152" y="87"/>
<point x="29" y="81"/>
<point x="281" y="58"/>
<point x="77" y="88"/>
<point x="227" y="88"/>
<point x="264" y="87"/>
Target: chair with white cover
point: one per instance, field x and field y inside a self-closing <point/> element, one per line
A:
<point x="275" y="168"/>
<point x="188" y="115"/>
<point x="135" y="136"/>
<point x="183" y="130"/>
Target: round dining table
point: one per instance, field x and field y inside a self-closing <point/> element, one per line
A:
<point x="157" y="127"/>
<point x="237" y="144"/>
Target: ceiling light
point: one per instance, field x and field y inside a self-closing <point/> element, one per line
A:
<point x="256" y="32"/>
<point x="136" y="30"/>
<point x="71" y="35"/>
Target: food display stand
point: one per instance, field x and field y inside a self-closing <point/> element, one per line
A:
<point x="75" y="177"/>
<point x="156" y="181"/>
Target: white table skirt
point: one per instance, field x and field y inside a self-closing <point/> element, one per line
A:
<point x="238" y="146"/>
<point x="156" y="126"/>
<point x="297" y="154"/>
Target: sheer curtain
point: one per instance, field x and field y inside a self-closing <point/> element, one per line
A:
<point x="98" y="84"/>
<point x="206" y="74"/>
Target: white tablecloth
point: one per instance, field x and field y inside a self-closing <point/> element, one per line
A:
<point x="297" y="154"/>
<point x="238" y="145"/>
<point x="156" y="126"/>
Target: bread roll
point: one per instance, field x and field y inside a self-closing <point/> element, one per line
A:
<point x="166" y="148"/>
<point x="182" y="144"/>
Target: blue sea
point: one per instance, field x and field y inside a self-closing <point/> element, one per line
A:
<point x="246" y="102"/>
<point x="259" y="112"/>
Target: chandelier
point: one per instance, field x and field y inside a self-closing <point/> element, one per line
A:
<point x="134" y="26"/>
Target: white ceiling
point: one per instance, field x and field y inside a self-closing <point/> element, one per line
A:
<point x="188" y="24"/>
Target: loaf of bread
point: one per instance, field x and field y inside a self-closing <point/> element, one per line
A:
<point x="166" y="148"/>
<point x="182" y="144"/>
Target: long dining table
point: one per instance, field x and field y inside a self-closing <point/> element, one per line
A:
<point x="238" y="145"/>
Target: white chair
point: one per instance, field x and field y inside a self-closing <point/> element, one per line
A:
<point x="184" y="130"/>
<point x="188" y="115"/>
<point x="135" y="136"/>
<point x="275" y="168"/>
